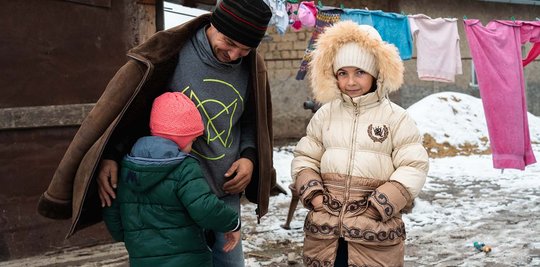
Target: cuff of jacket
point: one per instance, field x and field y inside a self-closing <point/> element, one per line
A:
<point x="53" y="208"/>
<point x="389" y="199"/>
<point x="238" y="226"/>
<point x="308" y="185"/>
<point x="249" y="153"/>
<point x="117" y="236"/>
<point x="113" y="153"/>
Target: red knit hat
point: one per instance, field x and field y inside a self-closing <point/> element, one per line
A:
<point x="174" y="116"/>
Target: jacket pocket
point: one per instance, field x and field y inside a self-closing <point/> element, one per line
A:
<point x="321" y="224"/>
<point x="331" y="205"/>
<point x="367" y="230"/>
<point x="372" y="213"/>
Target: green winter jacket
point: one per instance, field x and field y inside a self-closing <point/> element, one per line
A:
<point x="163" y="203"/>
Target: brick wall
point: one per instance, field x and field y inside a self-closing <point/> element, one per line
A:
<point x="283" y="54"/>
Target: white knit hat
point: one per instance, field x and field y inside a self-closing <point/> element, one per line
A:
<point x="353" y="55"/>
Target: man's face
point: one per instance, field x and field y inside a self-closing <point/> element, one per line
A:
<point x="225" y="49"/>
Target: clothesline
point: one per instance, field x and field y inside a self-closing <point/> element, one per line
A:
<point x="437" y="40"/>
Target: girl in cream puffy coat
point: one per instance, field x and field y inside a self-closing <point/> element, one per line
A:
<point x="361" y="163"/>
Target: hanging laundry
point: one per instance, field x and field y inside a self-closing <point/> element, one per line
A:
<point x="326" y="16"/>
<point x="307" y="14"/>
<point x="496" y="53"/>
<point x="292" y="11"/>
<point x="535" y="51"/>
<point x="279" y="19"/>
<point x="437" y="48"/>
<point x="360" y="16"/>
<point x="394" y="28"/>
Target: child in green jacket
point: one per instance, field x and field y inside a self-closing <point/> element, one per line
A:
<point x="163" y="201"/>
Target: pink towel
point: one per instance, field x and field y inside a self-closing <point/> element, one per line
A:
<point x="496" y="53"/>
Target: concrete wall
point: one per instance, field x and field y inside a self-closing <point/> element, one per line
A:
<point x="284" y="54"/>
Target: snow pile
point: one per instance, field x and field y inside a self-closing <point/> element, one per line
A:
<point x="454" y="124"/>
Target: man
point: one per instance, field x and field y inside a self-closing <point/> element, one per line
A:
<point x="212" y="59"/>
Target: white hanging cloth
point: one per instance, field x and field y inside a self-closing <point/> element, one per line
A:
<point x="437" y="47"/>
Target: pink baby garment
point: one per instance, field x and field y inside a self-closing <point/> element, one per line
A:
<point x="496" y="53"/>
<point x="437" y="48"/>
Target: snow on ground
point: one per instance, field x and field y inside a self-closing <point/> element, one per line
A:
<point x="463" y="201"/>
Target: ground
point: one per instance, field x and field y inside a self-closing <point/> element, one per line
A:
<point x="464" y="201"/>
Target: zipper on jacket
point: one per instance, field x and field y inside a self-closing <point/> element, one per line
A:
<point x="349" y="170"/>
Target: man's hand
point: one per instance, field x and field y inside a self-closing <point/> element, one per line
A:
<point x="243" y="169"/>
<point x="317" y="203"/>
<point x="107" y="180"/>
<point x="232" y="240"/>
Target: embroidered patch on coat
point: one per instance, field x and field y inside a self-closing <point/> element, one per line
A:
<point x="377" y="133"/>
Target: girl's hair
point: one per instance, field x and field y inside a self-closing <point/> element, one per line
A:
<point x="373" y="86"/>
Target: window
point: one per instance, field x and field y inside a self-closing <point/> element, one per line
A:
<point x="474" y="79"/>
<point x="177" y="14"/>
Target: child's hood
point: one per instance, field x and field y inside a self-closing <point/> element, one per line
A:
<point x="322" y="78"/>
<point x="151" y="159"/>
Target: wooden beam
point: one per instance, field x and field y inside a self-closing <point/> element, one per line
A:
<point x="43" y="116"/>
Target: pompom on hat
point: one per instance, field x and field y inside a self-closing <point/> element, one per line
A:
<point x="174" y="116"/>
<point x="244" y="21"/>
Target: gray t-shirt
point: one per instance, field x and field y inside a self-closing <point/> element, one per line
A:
<point x="219" y="90"/>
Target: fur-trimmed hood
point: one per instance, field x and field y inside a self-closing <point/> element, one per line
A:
<point x="322" y="77"/>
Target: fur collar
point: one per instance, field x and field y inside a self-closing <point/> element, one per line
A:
<point x="322" y="78"/>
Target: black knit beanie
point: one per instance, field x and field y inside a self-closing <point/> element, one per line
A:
<point x="244" y="21"/>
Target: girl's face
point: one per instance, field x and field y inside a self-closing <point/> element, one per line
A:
<point x="353" y="81"/>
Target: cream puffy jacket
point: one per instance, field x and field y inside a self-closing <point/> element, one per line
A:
<point x="365" y="156"/>
<point x="363" y="138"/>
<point x="358" y="151"/>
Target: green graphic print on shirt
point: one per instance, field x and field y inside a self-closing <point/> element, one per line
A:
<point x="219" y="116"/>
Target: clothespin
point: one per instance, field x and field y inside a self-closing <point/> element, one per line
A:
<point x="320" y="4"/>
<point x="513" y="19"/>
<point x="403" y="13"/>
<point x="342" y="6"/>
<point x="464" y="17"/>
